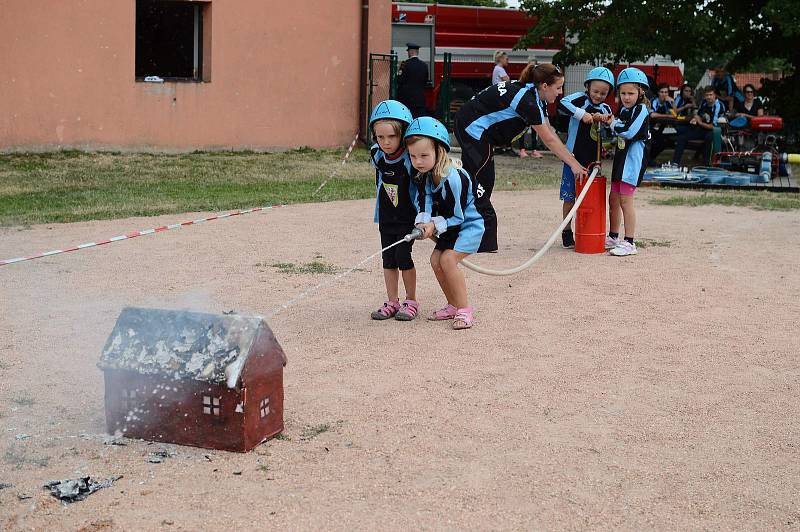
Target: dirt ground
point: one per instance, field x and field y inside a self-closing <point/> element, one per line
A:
<point x="651" y="392"/>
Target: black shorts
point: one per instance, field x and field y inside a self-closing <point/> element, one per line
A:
<point x="399" y="257"/>
<point x="478" y="160"/>
<point x="447" y="240"/>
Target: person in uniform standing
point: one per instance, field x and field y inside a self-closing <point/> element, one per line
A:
<point x="411" y="81"/>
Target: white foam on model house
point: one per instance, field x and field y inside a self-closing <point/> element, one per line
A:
<point x="199" y="346"/>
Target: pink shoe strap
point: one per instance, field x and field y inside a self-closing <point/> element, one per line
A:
<point x="409" y="308"/>
<point x="389" y="308"/>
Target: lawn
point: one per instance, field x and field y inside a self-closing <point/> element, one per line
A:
<point x="72" y="186"/>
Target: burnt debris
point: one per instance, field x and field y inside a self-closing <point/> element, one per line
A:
<point x="77" y="489"/>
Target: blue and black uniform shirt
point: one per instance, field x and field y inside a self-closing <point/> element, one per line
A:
<point x="680" y="102"/>
<point x="451" y="206"/>
<point x="662" y="108"/>
<point x="499" y="113"/>
<point x="711" y="113"/>
<point x="726" y="87"/>
<point x="397" y="199"/>
<point x="633" y="133"/>
<point x="579" y="140"/>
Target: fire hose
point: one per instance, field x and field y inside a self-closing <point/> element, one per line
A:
<point x="595" y="169"/>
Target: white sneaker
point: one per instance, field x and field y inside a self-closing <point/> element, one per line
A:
<point x="623" y="249"/>
<point x="611" y="243"/>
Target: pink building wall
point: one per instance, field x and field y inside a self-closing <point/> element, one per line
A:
<point x="282" y="74"/>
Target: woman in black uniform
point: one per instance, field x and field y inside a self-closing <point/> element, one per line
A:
<point x="495" y="117"/>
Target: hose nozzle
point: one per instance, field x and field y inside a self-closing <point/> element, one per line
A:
<point x="415" y="234"/>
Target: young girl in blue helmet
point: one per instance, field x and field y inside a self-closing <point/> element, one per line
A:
<point x="585" y="109"/>
<point x="632" y="129"/>
<point x="396" y="206"/>
<point x="449" y="215"/>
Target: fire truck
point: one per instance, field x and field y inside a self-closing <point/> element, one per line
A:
<point x="469" y="36"/>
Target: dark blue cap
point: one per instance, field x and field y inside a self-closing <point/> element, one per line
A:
<point x="412" y="46"/>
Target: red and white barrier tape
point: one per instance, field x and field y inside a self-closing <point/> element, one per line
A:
<point x="336" y="170"/>
<point x="134" y="234"/>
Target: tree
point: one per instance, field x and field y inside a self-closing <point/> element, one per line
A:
<point x="486" y="3"/>
<point x="744" y="32"/>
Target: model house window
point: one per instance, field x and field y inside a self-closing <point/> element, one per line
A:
<point x="211" y="405"/>
<point x="128" y="399"/>
<point x="264" y="407"/>
<point x="170" y="39"/>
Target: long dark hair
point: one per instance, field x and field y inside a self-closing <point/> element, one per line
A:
<point x="542" y="73"/>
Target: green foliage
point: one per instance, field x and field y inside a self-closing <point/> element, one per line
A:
<point x="740" y="33"/>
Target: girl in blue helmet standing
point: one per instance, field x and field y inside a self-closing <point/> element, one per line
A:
<point x="449" y="215"/>
<point x="396" y="206"/>
<point x="632" y="129"/>
<point x="584" y="109"/>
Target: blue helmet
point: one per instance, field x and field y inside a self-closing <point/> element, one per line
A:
<point x="600" y="74"/>
<point x="390" y="110"/>
<point x="427" y="126"/>
<point x="633" y="75"/>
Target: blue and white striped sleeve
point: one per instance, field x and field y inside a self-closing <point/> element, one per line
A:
<point x="717" y="111"/>
<point x="567" y="105"/>
<point x="635" y="126"/>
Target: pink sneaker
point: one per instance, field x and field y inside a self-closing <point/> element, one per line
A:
<point x="388" y="310"/>
<point x="463" y="319"/>
<point x="448" y="312"/>
<point x="408" y="311"/>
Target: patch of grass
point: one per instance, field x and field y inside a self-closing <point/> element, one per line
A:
<point x="23" y="400"/>
<point x="314" y="267"/>
<point x="264" y="468"/>
<point x="527" y="174"/>
<point x="653" y="243"/>
<point x="283" y="437"/>
<point x="754" y="199"/>
<point x="71" y="186"/>
<point x="76" y="186"/>
<point x="314" y="431"/>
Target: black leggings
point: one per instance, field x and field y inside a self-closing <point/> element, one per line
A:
<point x="478" y="160"/>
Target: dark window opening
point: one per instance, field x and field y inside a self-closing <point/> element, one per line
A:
<point x="169" y="39"/>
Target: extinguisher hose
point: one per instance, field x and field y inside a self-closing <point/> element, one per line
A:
<point x="531" y="261"/>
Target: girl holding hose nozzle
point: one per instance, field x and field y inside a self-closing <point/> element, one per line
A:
<point x="449" y="215"/>
<point x="497" y="115"/>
